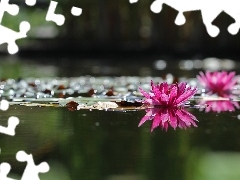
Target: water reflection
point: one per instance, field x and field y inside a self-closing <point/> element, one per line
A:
<point x="173" y="116"/>
<point x="220" y="106"/>
<point x="221" y="84"/>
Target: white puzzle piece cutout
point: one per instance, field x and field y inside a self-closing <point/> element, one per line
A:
<point x="30" y="2"/>
<point x="4" y="170"/>
<point x="209" y="9"/>
<point x="4" y="105"/>
<point x="12" y="9"/>
<point x="133" y="1"/>
<point x="59" y="19"/>
<point x="8" y="35"/>
<point x="12" y="124"/>
<point x="76" y="11"/>
<point x="31" y="171"/>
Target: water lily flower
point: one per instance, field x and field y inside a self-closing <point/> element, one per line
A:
<point x="173" y="116"/>
<point x="165" y="95"/>
<point x="220" y="83"/>
<point x="168" y="102"/>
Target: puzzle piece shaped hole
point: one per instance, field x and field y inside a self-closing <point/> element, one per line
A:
<point x="59" y="19"/>
<point x="10" y="129"/>
<point x="76" y="11"/>
<point x="31" y="171"/>
<point x="4" y="171"/>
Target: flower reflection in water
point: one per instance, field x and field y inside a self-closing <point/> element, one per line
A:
<point x="220" y="105"/>
<point x="221" y="84"/>
<point x="167" y="102"/>
<point x="173" y="116"/>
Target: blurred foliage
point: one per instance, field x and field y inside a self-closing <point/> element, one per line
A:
<point x="107" y="23"/>
<point x="14" y="68"/>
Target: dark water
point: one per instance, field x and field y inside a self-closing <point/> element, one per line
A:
<point x="109" y="145"/>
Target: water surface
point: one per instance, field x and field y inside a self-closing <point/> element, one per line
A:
<point x="93" y="144"/>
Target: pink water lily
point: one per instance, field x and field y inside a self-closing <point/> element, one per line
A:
<point x="165" y="95"/>
<point x="173" y="116"/>
<point x="220" y="83"/>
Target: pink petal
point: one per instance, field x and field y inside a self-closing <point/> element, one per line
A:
<point x="164" y="115"/>
<point x="165" y="126"/>
<point x="155" y="91"/>
<point x="189" y="114"/>
<point x="182" y="125"/>
<point x="144" y="93"/>
<point x="173" y="119"/>
<point x="173" y="94"/>
<point x="186" y="96"/>
<point x="181" y="88"/>
<point x="156" y="121"/>
<point x="164" y="98"/>
<point x="148" y="116"/>
<point x="185" y="117"/>
<point x="163" y="88"/>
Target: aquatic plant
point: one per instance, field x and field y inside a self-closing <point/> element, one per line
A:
<point x="219" y="82"/>
<point x="165" y="95"/>
<point x="173" y="116"/>
<point x="166" y="105"/>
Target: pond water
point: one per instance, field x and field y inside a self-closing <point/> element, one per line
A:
<point x="93" y="143"/>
